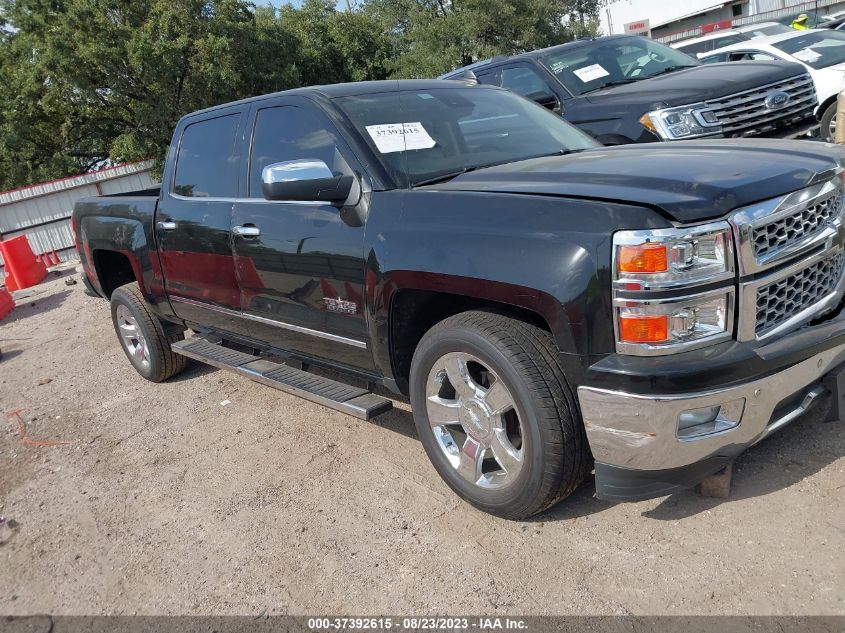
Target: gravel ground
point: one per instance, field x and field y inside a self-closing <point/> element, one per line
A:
<point x="164" y="501"/>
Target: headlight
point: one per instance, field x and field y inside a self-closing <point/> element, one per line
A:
<point x="667" y="258"/>
<point x="660" y="326"/>
<point x="657" y="305"/>
<point x="683" y="122"/>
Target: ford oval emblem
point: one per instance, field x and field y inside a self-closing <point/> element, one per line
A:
<point x="776" y="99"/>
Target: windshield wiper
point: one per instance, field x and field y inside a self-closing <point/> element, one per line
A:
<point x="465" y="170"/>
<point x="443" y="177"/>
<point x="617" y="82"/>
<point x="671" y="69"/>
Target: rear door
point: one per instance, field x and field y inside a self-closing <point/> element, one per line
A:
<point x="302" y="275"/>
<point x="194" y="218"/>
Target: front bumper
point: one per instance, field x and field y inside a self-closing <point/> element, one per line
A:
<point x="808" y="128"/>
<point x="634" y="437"/>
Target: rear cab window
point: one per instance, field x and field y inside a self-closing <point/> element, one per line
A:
<point x="207" y="161"/>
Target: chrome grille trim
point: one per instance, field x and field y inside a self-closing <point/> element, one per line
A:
<point x="792" y="249"/>
<point x="781" y="300"/>
<point x="745" y="112"/>
<point x="824" y="302"/>
<point x="765" y="217"/>
<point x="791" y="229"/>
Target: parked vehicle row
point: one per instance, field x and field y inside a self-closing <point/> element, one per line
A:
<point x="820" y="51"/>
<point x="699" y="46"/>
<point x="628" y="89"/>
<point x="550" y="306"/>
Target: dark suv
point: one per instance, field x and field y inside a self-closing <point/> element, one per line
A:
<point x="629" y="89"/>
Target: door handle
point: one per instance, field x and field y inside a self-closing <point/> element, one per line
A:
<point x="246" y="230"/>
<point x="167" y="225"/>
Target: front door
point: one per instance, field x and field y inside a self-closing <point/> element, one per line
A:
<point x="301" y="272"/>
<point x="193" y="222"/>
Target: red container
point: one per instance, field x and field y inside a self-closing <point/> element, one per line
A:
<point x="20" y="263"/>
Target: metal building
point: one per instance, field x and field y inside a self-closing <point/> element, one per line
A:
<point x="42" y="212"/>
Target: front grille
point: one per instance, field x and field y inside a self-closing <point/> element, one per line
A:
<point x="789" y="230"/>
<point x="780" y="300"/>
<point x="746" y="114"/>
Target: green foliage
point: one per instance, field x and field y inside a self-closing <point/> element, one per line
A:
<point x="86" y="81"/>
<point x="431" y="37"/>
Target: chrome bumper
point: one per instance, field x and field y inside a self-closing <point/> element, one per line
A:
<point x="641" y="432"/>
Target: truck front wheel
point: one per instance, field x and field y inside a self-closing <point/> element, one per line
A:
<point x="495" y="414"/>
<point x="144" y="338"/>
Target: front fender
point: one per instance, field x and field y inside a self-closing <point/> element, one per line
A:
<point x="545" y="254"/>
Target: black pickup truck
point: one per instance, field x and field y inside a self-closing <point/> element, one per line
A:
<point x="550" y="306"/>
<point x="628" y="89"/>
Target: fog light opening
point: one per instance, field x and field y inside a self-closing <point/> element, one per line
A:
<point x="695" y="423"/>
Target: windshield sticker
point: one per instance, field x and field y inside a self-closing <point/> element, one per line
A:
<point x="590" y="73"/>
<point x="400" y="137"/>
<point x="557" y="67"/>
<point x="807" y="55"/>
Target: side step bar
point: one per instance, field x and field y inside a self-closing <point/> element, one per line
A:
<point x="325" y="391"/>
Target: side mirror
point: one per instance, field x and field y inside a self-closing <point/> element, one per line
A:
<point x="545" y="99"/>
<point x="307" y="180"/>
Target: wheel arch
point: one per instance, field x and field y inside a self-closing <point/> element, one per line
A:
<point x="413" y="309"/>
<point x="824" y="105"/>
<point x="113" y="269"/>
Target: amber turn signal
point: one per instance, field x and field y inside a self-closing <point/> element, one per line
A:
<point x="642" y="258"/>
<point x="643" y="328"/>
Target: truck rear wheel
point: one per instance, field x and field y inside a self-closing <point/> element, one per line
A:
<point x="495" y="414"/>
<point x="144" y="338"/>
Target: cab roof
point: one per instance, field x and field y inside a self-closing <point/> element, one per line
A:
<point x="355" y="88"/>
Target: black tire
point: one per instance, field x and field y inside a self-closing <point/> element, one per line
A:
<point x="556" y="453"/>
<point x="825" y="122"/>
<point x="162" y="362"/>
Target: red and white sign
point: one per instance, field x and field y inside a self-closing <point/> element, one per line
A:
<point x="640" y="27"/>
<point x="716" y="26"/>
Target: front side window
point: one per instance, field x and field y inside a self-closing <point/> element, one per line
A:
<point x="425" y="135"/>
<point x="817" y="49"/>
<point x="207" y="164"/>
<point x="602" y="63"/>
<point x="288" y="133"/>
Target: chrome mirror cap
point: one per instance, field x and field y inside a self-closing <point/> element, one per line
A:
<point x="294" y="170"/>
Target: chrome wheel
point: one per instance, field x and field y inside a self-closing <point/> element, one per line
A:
<point x="475" y="421"/>
<point x="832" y="129"/>
<point x="132" y="337"/>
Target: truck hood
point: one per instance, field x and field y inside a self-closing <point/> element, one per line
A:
<point x="688" y="181"/>
<point x="692" y="85"/>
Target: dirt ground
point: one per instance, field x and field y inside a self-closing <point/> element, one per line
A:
<point x="166" y="501"/>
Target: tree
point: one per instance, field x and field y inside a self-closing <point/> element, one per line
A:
<point x="91" y="81"/>
<point x="431" y="37"/>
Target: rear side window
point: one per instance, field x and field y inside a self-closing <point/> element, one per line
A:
<point x="695" y="49"/>
<point x="290" y="133"/>
<point x="523" y="81"/>
<point x="207" y="165"/>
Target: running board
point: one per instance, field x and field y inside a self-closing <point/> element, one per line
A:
<point x="325" y="391"/>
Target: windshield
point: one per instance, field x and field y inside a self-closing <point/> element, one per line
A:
<point x="817" y="49"/>
<point x="600" y="63"/>
<point x="428" y="134"/>
<point x="768" y="29"/>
